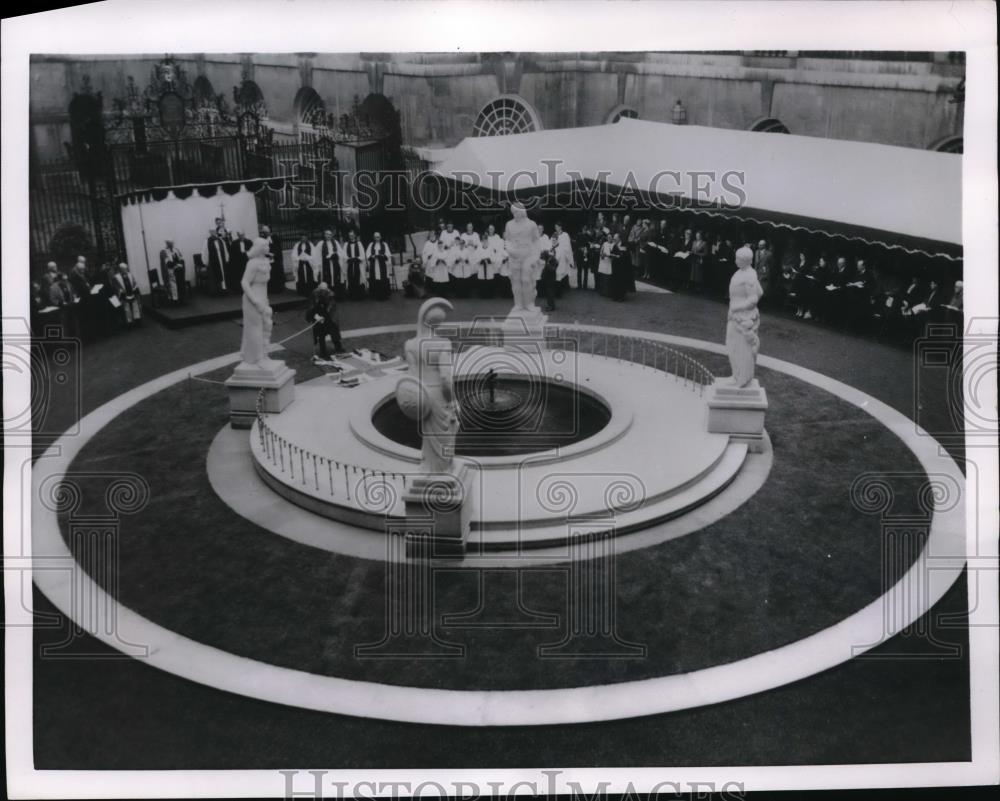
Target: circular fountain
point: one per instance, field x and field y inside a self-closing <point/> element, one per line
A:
<point x="516" y="415"/>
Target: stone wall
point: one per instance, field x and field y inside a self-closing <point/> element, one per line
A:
<point x="440" y="95"/>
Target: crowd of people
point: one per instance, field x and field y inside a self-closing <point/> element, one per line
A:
<point x="86" y="301"/>
<point x="474" y="263"/>
<point x="218" y="267"/>
<point x="801" y="276"/>
<point x="607" y="253"/>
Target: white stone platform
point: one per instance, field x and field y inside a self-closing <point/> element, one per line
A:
<point x="654" y="460"/>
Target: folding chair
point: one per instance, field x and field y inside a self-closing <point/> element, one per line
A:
<point x="157" y="292"/>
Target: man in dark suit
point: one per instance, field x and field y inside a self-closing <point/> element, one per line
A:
<point x="277" y="258"/>
<point x="237" y="261"/>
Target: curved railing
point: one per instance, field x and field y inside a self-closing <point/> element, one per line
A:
<point x="344" y="483"/>
<point x="645" y="352"/>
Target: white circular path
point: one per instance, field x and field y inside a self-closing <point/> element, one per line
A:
<point x="934" y="572"/>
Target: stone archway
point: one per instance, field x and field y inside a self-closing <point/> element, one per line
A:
<point x="769" y="125"/>
<point x="948" y="144"/>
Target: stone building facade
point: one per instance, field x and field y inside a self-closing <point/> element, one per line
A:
<point x="911" y="100"/>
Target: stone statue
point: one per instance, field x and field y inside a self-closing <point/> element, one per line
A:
<point x="257" y="316"/>
<point x="426" y="393"/>
<point x="256" y="373"/>
<point x="742" y="341"/>
<point x="521" y="237"/>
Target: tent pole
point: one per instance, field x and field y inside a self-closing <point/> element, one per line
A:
<point x="142" y="228"/>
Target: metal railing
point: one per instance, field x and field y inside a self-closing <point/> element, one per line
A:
<point x="344" y="483"/>
<point x="644" y="352"/>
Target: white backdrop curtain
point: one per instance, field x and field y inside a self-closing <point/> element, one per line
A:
<point x="147" y="223"/>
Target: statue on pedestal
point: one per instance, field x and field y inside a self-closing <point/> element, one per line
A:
<point x="426" y="394"/>
<point x="256" y="372"/>
<point x="742" y="340"/>
<point x="521" y="237"/>
<point x="257" y="316"/>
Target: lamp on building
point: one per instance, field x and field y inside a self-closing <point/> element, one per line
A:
<point x="679" y="114"/>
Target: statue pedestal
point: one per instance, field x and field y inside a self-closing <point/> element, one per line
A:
<point x="524" y="330"/>
<point x="739" y="412"/>
<point x="274" y="377"/>
<point x="438" y="510"/>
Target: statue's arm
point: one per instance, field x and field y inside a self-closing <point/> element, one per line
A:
<point x="446" y="370"/>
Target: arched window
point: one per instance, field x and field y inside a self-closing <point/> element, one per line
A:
<point x="508" y="114"/>
<point x="309" y="106"/>
<point x="949" y="144"/>
<point x="769" y="125"/>
<point x="622" y="111"/>
<point x="249" y="95"/>
<point x="202" y="90"/>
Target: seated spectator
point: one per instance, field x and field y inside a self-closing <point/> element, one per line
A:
<point x="64" y="298"/>
<point x="859" y="297"/>
<point x="699" y="253"/>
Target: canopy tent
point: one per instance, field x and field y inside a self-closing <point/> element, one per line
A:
<point x="894" y="196"/>
<point x="184" y="215"/>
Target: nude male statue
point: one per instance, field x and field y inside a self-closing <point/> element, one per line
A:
<point x="521" y="237"/>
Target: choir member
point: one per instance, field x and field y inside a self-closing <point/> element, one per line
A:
<point x="428" y="254"/>
<point x="379" y="265"/>
<point x="357" y="267"/>
<point x="330" y="255"/>
<point x="172" y="271"/>
<point x="486" y="271"/>
<point x="128" y="294"/>
<point x="495" y="240"/>
<point x="215" y="255"/>
<point x="470" y="239"/>
<point x="449" y="235"/>
<point x="305" y="272"/>
<point x="470" y="266"/>
<point x="457" y="268"/>
<point x="438" y="268"/>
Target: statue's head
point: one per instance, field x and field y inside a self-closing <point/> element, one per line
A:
<point x="744" y="258"/>
<point x="432" y="313"/>
<point x="258" y="248"/>
<point x="518" y="211"/>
